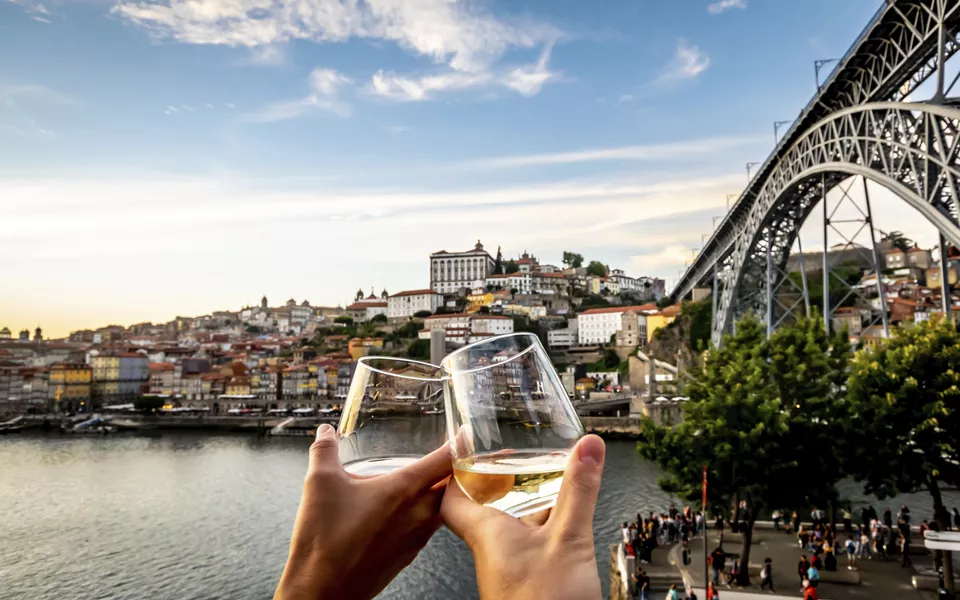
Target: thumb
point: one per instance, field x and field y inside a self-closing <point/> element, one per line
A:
<point x="581" y="485"/>
<point x="324" y="452"/>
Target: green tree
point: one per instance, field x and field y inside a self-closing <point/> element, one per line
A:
<point x="511" y="267"/>
<point x="597" y="269"/>
<point x="344" y="320"/>
<point x="762" y="416"/>
<point x="572" y="259"/>
<point x="594" y="301"/>
<point x="842" y="278"/>
<point x="379" y="319"/>
<point x="253" y="329"/>
<point x="898" y="240"/>
<point x="419" y="349"/>
<point x="498" y="263"/>
<point x="422" y="314"/>
<point x="905" y="399"/>
<point x="410" y="329"/>
<point x="700" y="316"/>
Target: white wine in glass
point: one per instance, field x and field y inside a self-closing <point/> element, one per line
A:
<point x="522" y="482"/>
<point x="510" y="421"/>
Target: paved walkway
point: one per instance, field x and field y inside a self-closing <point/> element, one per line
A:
<point x="880" y="580"/>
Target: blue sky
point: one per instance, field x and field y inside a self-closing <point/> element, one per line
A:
<point x="178" y="157"/>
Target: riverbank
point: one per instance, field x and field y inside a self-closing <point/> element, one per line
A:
<point x="610" y="428"/>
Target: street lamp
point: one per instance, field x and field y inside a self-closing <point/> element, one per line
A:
<point x="776" y="130"/>
<point x="819" y="64"/>
<point x="750" y="166"/>
<point x="715" y="218"/>
<point x="729" y="197"/>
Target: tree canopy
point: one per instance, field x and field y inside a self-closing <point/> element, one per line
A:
<point x="511" y="267"/>
<point x="597" y="269"/>
<point x="572" y="259"/>
<point x="905" y="399"/>
<point x="762" y="416"/>
<point x="380" y="318"/>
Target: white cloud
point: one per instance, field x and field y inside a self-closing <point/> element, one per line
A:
<point x="625" y="99"/>
<point x="529" y="79"/>
<point x="721" y="6"/>
<point x="462" y="35"/>
<point x="411" y="89"/>
<point x="326" y="86"/>
<point x="265" y="56"/>
<point x="28" y="128"/>
<point x="688" y="63"/>
<point x="36" y="10"/>
<point x="526" y="80"/>
<point x="398" y="128"/>
<point x="675" y="150"/>
<point x="10" y="94"/>
<point x="171" y="110"/>
<point x="230" y="105"/>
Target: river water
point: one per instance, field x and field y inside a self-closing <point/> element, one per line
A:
<point x="184" y="516"/>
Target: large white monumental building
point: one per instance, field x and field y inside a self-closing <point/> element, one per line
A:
<point x="450" y="271"/>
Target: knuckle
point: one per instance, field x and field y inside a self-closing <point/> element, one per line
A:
<point x="323" y="445"/>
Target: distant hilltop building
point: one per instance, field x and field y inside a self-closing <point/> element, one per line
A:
<point x="451" y="271"/>
<point x="5" y="333"/>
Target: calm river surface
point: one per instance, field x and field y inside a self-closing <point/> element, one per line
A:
<point x="183" y="516"/>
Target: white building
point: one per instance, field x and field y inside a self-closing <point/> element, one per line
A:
<point x="361" y="312"/>
<point x="406" y="304"/>
<point x="597" y="325"/>
<point x="451" y="271"/>
<point x="522" y="282"/>
<point x="466" y="329"/>
<point x="563" y="338"/>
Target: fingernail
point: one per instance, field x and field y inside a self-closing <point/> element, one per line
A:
<point x="324" y="431"/>
<point x="591" y="451"/>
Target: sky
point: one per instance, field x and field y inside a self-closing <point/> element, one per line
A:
<point x="183" y="156"/>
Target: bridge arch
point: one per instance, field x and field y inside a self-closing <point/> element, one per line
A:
<point x="912" y="149"/>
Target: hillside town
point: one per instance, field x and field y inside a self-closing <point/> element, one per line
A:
<point x="300" y="356"/>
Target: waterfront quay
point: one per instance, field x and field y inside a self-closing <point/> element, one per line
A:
<point x="874" y="578"/>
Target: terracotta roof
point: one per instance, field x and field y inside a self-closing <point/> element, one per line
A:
<point x="619" y="309"/>
<point x="414" y="293"/>
<point x="586" y="380"/>
<point x="551" y="275"/>
<point x="448" y="316"/>
<point x="358" y="306"/>
<point x="671" y="311"/>
<point x="155" y="366"/>
<point x="915" y="249"/>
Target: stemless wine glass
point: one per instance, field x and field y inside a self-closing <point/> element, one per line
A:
<point x="392" y="415"/>
<point x="510" y="421"/>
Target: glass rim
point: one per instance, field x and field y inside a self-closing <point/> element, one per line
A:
<point x="364" y="361"/>
<point x="517" y="334"/>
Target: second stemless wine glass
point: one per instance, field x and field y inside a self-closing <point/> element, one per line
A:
<point x="510" y="421"/>
<point x="392" y="415"/>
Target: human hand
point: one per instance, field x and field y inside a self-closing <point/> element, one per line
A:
<point x="354" y="534"/>
<point x="546" y="555"/>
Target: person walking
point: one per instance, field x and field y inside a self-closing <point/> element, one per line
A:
<point x="712" y="593"/>
<point x="802" y="568"/>
<point x="672" y="594"/>
<point x="888" y="518"/>
<point x="809" y="591"/>
<point x="813" y="575"/>
<point x="718" y="558"/>
<point x="796" y="522"/>
<point x="625" y="533"/>
<point x="847" y="521"/>
<point x="905" y="551"/>
<point x="956" y="518"/>
<point x="851" y="548"/>
<point x="777" y="515"/>
<point x="766" y="575"/>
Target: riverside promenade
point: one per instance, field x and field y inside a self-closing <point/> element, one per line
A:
<point x="878" y="579"/>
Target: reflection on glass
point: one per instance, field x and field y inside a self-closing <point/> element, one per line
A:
<point x="510" y="422"/>
<point x="390" y="417"/>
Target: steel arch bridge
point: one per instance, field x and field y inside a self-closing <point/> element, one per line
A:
<point x="859" y="124"/>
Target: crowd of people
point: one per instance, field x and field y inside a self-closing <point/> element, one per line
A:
<point x="644" y="535"/>
<point x="873" y="536"/>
